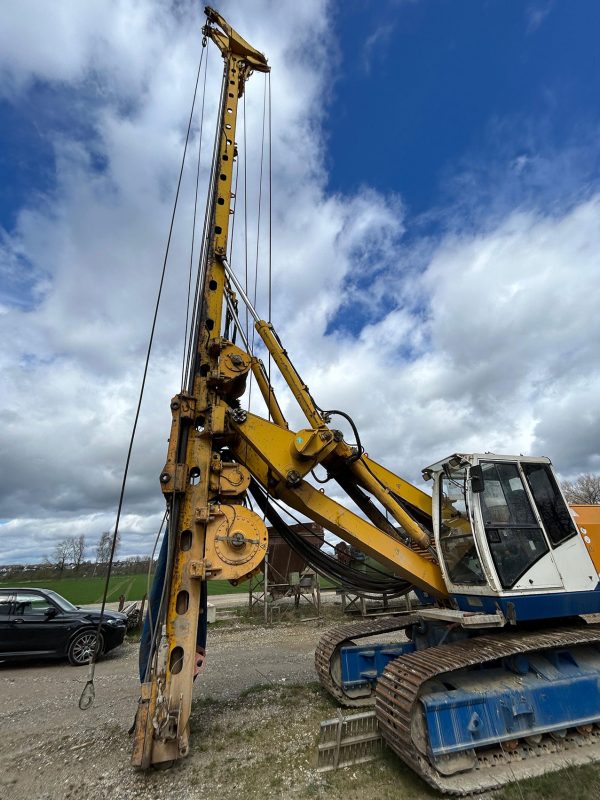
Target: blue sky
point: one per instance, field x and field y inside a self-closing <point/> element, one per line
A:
<point x="416" y="90"/>
<point x="436" y="234"/>
<point x="470" y="107"/>
<point x="416" y="87"/>
<point x="419" y="86"/>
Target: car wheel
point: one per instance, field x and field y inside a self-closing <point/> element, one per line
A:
<point x="81" y="649"/>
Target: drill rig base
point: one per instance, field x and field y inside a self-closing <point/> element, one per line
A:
<point x="399" y="705"/>
<point x="328" y="654"/>
<point x="483" y="710"/>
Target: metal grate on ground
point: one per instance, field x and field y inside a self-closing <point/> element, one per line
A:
<point x="348" y="740"/>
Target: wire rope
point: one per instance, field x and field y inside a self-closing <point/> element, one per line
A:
<point x="233" y="214"/>
<point x="192" y="348"/>
<point x="88" y="694"/>
<point x="187" y="305"/>
<point x="256" y="262"/>
<point x="153" y="649"/>
<point x="245" y="214"/>
<point x="149" y="573"/>
<point x="270" y="212"/>
<point x="260" y="190"/>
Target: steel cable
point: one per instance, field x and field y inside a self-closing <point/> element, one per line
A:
<point x="88" y="694"/>
<point x="187" y="305"/>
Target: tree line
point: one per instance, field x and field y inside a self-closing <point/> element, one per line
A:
<point x="70" y="553"/>
<point x="584" y="490"/>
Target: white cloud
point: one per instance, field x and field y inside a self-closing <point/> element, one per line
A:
<point x="488" y="346"/>
<point x="375" y="43"/>
<point x="502" y="334"/>
<point x="536" y="13"/>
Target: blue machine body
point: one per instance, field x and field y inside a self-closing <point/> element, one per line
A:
<point x="526" y="607"/>
<point x="517" y="697"/>
<point x="529" y="696"/>
<point x="363" y="665"/>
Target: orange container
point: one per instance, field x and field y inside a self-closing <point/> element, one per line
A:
<point x="587" y="518"/>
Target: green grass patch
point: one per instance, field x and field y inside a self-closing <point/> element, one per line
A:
<point x="85" y="591"/>
<point x="573" y="783"/>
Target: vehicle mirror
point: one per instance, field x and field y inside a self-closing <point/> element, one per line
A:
<point x="477" y="482"/>
<point x="51" y="612"/>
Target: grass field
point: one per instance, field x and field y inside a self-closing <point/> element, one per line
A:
<point x="84" y="591"/>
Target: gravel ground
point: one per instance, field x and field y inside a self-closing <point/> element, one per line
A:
<point x="255" y="724"/>
<point x="54" y="750"/>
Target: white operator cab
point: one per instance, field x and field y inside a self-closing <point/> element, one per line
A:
<point x="507" y="541"/>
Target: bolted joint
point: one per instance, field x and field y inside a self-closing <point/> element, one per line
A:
<point x="237" y="539"/>
<point x="173" y="478"/>
<point x="238" y="415"/>
<point x="293" y="477"/>
<point x="182" y="406"/>
<point x="338" y="436"/>
<point x="201" y="514"/>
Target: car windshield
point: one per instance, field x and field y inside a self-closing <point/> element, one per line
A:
<point x="60" y="601"/>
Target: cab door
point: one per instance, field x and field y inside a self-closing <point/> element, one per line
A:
<point x="517" y="542"/>
<point x="460" y="557"/>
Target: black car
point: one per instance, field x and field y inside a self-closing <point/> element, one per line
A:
<point x="40" y="623"/>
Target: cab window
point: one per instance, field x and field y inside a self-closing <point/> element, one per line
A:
<point x="550" y="503"/>
<point x="456" y="536"/>
<point x="515" y="539"/>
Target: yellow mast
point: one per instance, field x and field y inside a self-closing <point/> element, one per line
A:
<point x="202" y="542"/>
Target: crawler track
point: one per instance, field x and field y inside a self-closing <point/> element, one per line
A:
<point x="400" y="718"/>
<point x="327" y="654"/>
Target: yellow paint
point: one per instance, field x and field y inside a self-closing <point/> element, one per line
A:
<point x="163" y="735"/>
<point x="236" y="542"/>
<point x="264" y="449"/>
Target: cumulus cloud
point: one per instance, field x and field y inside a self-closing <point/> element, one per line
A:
<point x="480" y="338"/>
<point x="493" y="344"/>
